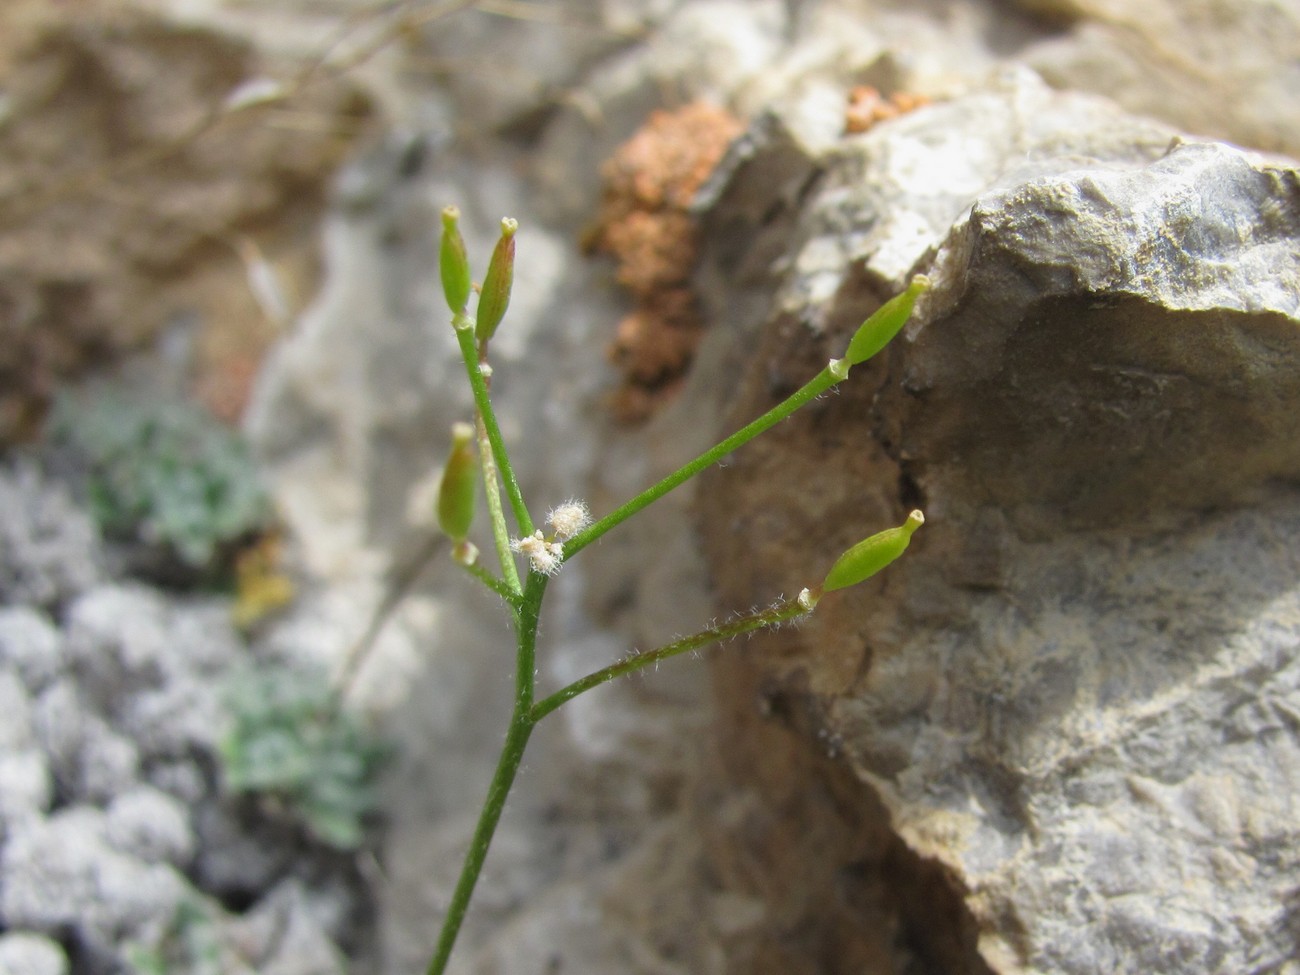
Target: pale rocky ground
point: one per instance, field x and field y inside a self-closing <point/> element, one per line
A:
<point x="1062" y="735"/>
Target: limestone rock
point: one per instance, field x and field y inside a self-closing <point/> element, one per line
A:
<point x="151" y="826"/>
<point x="129" y="178"/>
<point x="1072" y="695"/>
<point x="1212" y="68"/>
<point x="24" y="953"/>
<point x="60" y="873"/>
<point x="49" y="549"/>
<point x="30" y="644"/>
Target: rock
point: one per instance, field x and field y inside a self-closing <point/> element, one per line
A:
<point x="59" y="719"/>
<point x="31" y="645"/>
<point x="151" y="826"/>
<point x="15" y="712"/>
<point x="49" y="549"/>
<point x="88" y="274"/>
<point x="1216" y="69"/>
<point x="234" y="859"/>
<point x="24" y="953"/>
<point x="60" y="875"/>
<point x="1072" y="696"/>
<point x="154" y="668"/>
<point x="1143" y="407"/>
<point x="89" y="760"/>
<point x="284" y="936"/>
<point x="108" y="764"/>
<point x="118" y="641"/>
<point x="26" y="786"/>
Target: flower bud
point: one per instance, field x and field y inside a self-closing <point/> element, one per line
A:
<point x="453" y="262"/>
<point x="456" y="489"/>
<point x="871" y="555"/>
<point x="494" y="296"/>
<point x="877" y="331"/>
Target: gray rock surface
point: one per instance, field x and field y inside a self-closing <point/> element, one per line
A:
<point x="1074" y="691"/>
<point x="61" y="874"/>
<point x="24" y="953"/>
<point x="49" y="549"/>
<point x="91" y="856"/>
<point x="31" y="644"/>
<point x="151" y="826"/>
<point x="1038" y="484"/>
<point x="1212" y="68"/>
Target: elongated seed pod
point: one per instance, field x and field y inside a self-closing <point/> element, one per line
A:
<point x="456" y="489"/>
<point x="877" y="331"/>
<point x="453" y="262"/>
<point x="872" y="554"/>
<point x="494" y="296"/>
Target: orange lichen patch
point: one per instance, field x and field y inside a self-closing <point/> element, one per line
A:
<point x="646" y="225"/>
<point x="655" y="250"/>
<point x="867" y="106"/>
<point x="653" y="347"/>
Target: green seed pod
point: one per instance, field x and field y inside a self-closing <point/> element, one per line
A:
<point x="871" y="555"/>
<point x="877" y="331"/>
<point x="494" y="296"/>
<point x="453" y="262"/>
<point x="456" y="489"/>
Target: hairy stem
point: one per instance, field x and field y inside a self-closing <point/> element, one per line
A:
<point x="787" y="609"/>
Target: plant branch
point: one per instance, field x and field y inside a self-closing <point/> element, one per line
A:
<point x="478" y="384"/>
<point x="512" y="753"/>
<point x="498" y="586"/>
<point x="787" y="609"/>
<point x="823" y="381"/>
<point x="496" y="514"/>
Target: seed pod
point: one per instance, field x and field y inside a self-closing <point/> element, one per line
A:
<point x="453" y="262"/>
<point x="494" y="296"/>
<point x="871" y="555"/>
<point x="877" y="331"/>
<point x="456" y="489"/>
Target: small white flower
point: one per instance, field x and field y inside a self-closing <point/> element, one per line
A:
<point x="569" y="518"/>
<point x="545" y="557"/>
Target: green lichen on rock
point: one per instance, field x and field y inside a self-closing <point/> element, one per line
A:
<point x="162" y="472"/>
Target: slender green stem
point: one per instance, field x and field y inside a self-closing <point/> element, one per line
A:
<point x="498" y="586"/>
<point x="823" y="381"/>
<point x="512" y="753"/>
<point x="496" y="514"/>
<point x="469" y="353"/>
<point x="785" y="610"/>
<point x="530" y="609"/>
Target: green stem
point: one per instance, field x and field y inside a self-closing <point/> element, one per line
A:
<point x="498" y="586"/>
<point x="469" y="353"/>
<point x="496" y="514"/>
<point x="787" y="609"/>
<point x="823" y="381"/>
<point x="512" y="753"/>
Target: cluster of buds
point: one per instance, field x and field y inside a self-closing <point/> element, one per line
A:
<point x="453" y="268"/>
<point x="546" y="555"/>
